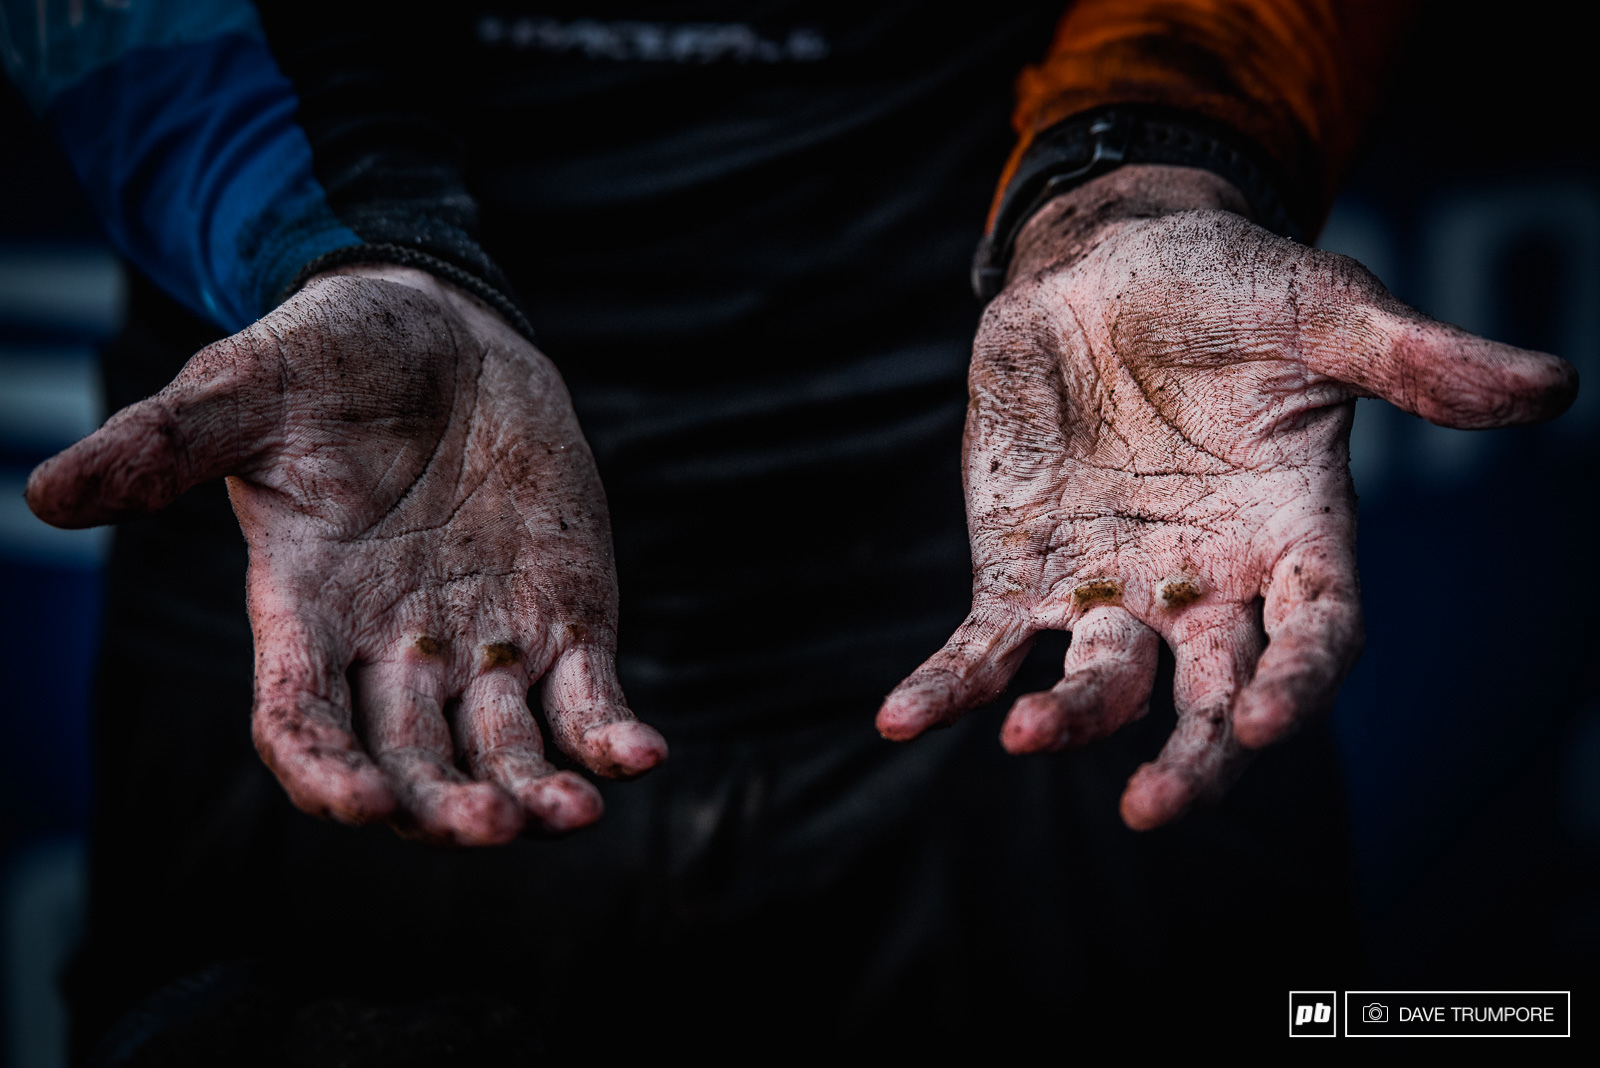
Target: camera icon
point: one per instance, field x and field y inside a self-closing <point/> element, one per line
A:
<point x="1374" y="1013"/>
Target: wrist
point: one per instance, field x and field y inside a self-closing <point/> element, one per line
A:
<point x="410" y="277"/>
<point x="471" y="307"/>
<point x="1064" y="229"/>
<point x="487" y="284"/>
<point x="1101" y="141"/>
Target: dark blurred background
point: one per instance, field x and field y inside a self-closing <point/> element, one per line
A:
<point x="1470" y="732"/>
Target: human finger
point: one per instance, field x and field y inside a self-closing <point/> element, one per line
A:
<point x="1110" y="668"/>
<point x="400" y="709"/>
<point x="1313" y="623"/>
<point x="210" y="421"/>
<point x="590" y="719"/>
<point x="1215" y="648"/>
<point x="498" y="737"/>
<point x="302" y="728"/>
<point x="1353" y="330"/>
<point x="972" y="668"/>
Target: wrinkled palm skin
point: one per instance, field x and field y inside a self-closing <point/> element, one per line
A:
<point x="1157" y="449"/>
<point x="428" y="540"/>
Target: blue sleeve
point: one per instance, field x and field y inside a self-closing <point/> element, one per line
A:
<point x="183" y="132"/>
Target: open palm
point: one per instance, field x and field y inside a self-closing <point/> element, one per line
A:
<point x="428" y="539"/>
<point x="1157" y="449"/>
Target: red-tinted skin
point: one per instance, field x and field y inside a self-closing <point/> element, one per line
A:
<point x="428" y="539"/>
<point x="1157" y="448"/>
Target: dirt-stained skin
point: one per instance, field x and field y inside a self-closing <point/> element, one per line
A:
<point x="428" y="541"/>
<point x="1161" y="398"/>
<point x="1180" y="591"/>
<point x="500" y="654"/>
<point x="1156" y="448"/>
<point x="1095" y="592"/>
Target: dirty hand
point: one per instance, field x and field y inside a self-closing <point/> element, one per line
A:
<point x="1157" y="446"/>
<point x="428" y="538"/>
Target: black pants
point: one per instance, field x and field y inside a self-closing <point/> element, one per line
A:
<point x="787" y="877"/>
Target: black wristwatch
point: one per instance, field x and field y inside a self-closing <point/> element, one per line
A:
<point x="1097" y="142"/>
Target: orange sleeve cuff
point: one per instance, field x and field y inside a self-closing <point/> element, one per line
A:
<point x="1298" y="78"/>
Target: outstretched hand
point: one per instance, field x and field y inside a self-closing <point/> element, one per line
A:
<point x="428" y="539"/>
<point x="1157" y="448"/>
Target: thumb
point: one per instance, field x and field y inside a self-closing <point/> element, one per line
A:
<point x="1366" y="338"/>
<point x="212" y="418"/>
<point x="1457" y="379"/>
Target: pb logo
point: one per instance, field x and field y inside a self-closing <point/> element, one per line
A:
<point x="1312" y="1014"/>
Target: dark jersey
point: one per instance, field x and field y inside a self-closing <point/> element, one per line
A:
<point x="743" y="235"/>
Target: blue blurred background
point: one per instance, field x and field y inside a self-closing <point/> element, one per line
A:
<point x="61" y="294"/>
<point x="1470" y="732"/>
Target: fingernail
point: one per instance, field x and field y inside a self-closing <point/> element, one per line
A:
<point x="633" y="746"/>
